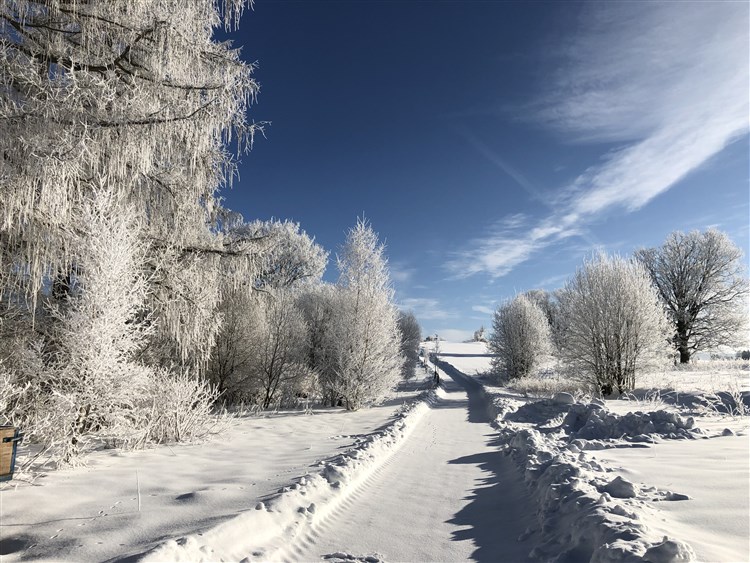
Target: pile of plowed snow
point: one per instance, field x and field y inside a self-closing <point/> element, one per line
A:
<point x="586" y="513"/>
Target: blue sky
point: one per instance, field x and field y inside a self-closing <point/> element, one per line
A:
<point x="494" y="145"/>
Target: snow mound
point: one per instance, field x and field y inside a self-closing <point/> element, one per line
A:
<point x="267" y="526"/>
<point x="594" y="422"/>
<point x="579" y="518"/>
<point x="621" y="488"/>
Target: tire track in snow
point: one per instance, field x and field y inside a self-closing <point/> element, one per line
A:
<point x="323" y="523"/>
<point x="438" y="497"/>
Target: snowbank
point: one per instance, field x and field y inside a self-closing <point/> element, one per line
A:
<point x="259" y="532"/>
<point x="595" y="422"/>
<point x="585" y="514"/>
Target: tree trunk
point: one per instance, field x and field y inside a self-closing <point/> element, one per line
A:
<point x="684" y="355"/>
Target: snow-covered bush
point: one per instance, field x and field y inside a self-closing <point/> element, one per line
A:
<point x="613" y="323"/>
<point x="175" y="408"/>
<point x="520" y="338"/>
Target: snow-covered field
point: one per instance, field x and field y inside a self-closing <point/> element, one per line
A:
<point x="96" y="513"/>
<point x="471" y="471"/>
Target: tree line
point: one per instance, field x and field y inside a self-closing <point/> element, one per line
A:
<point x="131" y="299"/>
<point x="616" y="317"/>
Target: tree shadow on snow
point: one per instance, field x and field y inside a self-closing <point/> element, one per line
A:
<point x="499" y="511"/>
<point x="479" y="406"/>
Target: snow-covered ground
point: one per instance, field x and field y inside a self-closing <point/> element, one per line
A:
<point x="690" y="486"/>
<point x="92" y="513"/>
<point x="471" y="471"/>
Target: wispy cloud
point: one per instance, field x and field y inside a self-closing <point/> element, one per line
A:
<point x="506" y="247"/>
<point x="424" y="308"/>
<point x="668" y="81"/>
<point x="483" y="309"/>
<point x="400" y="272"/>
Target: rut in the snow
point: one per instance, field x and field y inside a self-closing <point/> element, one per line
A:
<point x="447" y="494"/>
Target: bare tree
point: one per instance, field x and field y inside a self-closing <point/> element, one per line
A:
<point x="703" y="283"/>
<point x="520" y="338"/>
<point x="614" y="323"/>
<point x="276" y="342"/>
<point x="411" y="336"/>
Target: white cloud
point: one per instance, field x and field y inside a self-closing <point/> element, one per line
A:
<point x="483" y="309"/>
<point x="400" y="272"/>
<point x="505" y="248"/>
<point x="424" y="308"/>
<point x="670" y="80"/>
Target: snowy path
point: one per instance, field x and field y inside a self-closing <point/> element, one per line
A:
<point x="446" y="494"/>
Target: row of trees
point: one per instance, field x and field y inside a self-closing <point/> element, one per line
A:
<point x="616" y="317"/>
<point x="125" y="286"/>
<point x="345" y="342"/>
<point x="114" y="248"/>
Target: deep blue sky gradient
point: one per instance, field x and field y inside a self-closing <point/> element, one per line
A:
<point x="397" y="110"/>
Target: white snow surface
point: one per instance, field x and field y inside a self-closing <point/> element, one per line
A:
<point x="471" y="471"/>
<point x="91" y="513"/>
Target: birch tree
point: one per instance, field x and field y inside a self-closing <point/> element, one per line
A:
<point x="365" y="341"/>
<point x="703" y="284"/>
<point x="520" y="338"/>
<point x="614" y="325"/>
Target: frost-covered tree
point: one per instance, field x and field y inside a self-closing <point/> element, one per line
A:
<point x="135" y="98"/>
<point x="703" y="284"/>
<point x="364" y="336"/>
<point x="289" y="258"/>
<point x="480" y="335"/>
<point x="613" y="322"/>
<point x="290" y="255"/>
<point x="112" y="114"/>
<point x="231" y="356"/>
<point x="411" y="336"/>
<point x="548" y="303"/>
<point x="316" y="303"/>
<point x="276" y="342"/>
<point x="99" y="329"/>
<point x="520" y="338"/>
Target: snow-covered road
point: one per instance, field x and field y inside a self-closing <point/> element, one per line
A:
<point x="446" y="494"/>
